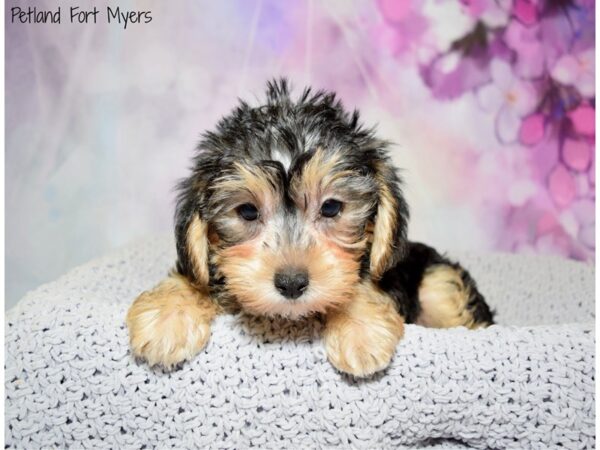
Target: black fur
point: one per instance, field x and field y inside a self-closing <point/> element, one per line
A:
<point x="402" y="282"/>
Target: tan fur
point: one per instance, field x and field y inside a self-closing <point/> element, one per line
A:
<point x="383" y="229"/>
<point x="444" y="298"/>
<point x="361" y="336"/>
<point x="197" y="247"/>
<point x="249" y="269"/>
<point x="170" y="323"/>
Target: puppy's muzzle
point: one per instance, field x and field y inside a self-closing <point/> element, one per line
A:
<point x="291" y="283"/>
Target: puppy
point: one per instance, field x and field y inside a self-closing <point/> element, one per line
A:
<point x="293" y="208"/>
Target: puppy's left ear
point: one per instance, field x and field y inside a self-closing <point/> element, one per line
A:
<point x="389" y="243"/>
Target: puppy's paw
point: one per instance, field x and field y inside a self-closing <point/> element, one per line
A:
<point x="360" y="348"/>
<point x="361" y="339"/>
<point x="169" y="324"/>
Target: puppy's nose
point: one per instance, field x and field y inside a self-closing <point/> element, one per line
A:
<point x="291" y="283"/>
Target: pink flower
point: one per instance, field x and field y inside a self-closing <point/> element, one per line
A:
<point x="530" y="50"/>
<point x="577" y="70"/>
<point x="532" y="129"/>
<point x="544" y="156"/>
<point x="577" y="154"/>
<point x="582" y="119"/>
<point x="562" y="186"/>
<point x="509" y="98"/>
<point x="450" y="75"/>
<point x="538" y="45"/>
<point x="525" y="11"/>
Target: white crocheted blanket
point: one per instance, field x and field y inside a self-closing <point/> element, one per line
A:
<point x="528" y="383"/>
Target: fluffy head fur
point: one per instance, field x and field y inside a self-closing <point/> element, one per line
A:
<point x="286" y="158"/>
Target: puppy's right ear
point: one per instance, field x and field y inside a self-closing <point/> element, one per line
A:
<point x="191" y="234"/>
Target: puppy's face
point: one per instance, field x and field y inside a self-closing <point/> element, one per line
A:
<point x="290" y="240"/>
<point x="286" y="214"/>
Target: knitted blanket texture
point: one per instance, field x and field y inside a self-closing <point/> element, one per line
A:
<point x="526" y="383"/>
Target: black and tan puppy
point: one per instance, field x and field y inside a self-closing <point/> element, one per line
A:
<point x="293" y="208"/>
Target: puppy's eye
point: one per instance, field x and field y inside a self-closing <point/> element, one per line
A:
<point x="248" y="212"/>
<point x="331" y="208"/>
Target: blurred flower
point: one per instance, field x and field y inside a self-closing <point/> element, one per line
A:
<point x="508" y="98"/>
<point x="583" y="120"/>
<point x="544" y="156"/>
<point x="450" y="75"/>
<point x="561" y="185"/>
<point x="405" y="26"/>
<point x="493" y="13"/>
<point x="539" y="44"/>
<point x="530" y="51"/>
<point x="576" y="154"/>
<point x="578" y="71"/>
<point x="448" y="22"/>
<point x="466" y="66"/>
<point x="525" y="11"/>
<point x="532" y="129"/>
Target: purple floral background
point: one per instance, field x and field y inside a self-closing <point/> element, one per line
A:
<point x="528" y="65"/>
<point x="490" y="104"/>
